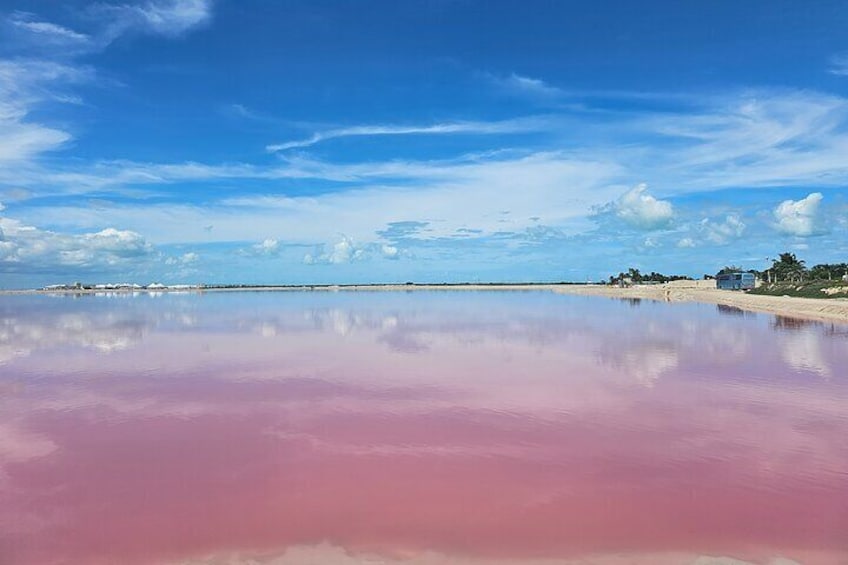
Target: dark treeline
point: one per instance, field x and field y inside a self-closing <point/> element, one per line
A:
<point x="635" y="276"/>
<point x="786" y="268"/>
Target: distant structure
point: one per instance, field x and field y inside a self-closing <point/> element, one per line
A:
<point x="735" y="281"/>
<point x="108" y="288"/>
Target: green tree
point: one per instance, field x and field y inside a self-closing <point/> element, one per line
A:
<point x="788" y="268"/>
<point x="729" y="269"/>
<point x="634" y="275"/>
<point x="827" y="271"/>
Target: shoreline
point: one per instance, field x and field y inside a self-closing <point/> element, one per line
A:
<point x="704" y="292"/>
<point x="821" y="309"/>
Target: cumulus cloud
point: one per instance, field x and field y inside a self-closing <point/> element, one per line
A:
<point x="722" y="232"/>
<point x="347" y="250"/>
<point x="184" y="260"/>
<point x="268" y="247"/>
<point x="26" y="248"/>
<point x="190" y="258"/>
<point x="686" y="242"/>
<point x="344" y="251"/>
<point x="798" y="217"/>
<point x="641" y="210"/>
<point x="390" y="251"/>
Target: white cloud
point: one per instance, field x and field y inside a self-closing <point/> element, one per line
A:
<point x="390" y="251"/>
<point x="775" y="139"/>
<point x="28" y="82"/>
<point x="723" y="232"/>
<point x="184" y="260"/>
<point x="24" y="84"/>
<point x="524" y="86"/>
<point x="170" y="18"/>
<point x="641" y="210"/>
<point x="27" y="248"/>
<point x="473" y="128"/>
<point x="346" y="250"/>
<point x="46" y="31"/>
<point x="839" y="64"/>
<point x="450" y="196"/>
<point x="767" y="139"/>
<point x="798" y="217"/>
<point x="686" y="242"/>
<point x="190" y="258"/>
<point x="268" y="247"/>
<point x="761" y="138"/>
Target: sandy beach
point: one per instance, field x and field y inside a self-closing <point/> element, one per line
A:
<point x="704" y="291"/>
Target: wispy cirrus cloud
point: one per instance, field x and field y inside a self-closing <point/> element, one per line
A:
<point x="44" y="68"/>
<point x="24" y="85"/>
<point x="459" y="195"/>
<point x="752" y="139"/>
<point x="105" y="22"/>
<point x="46" y="31"/>
<point x="839" y="64"/>
<point x="756" y="138"/>
<point x="518" y="125"/>
<point x="170" y="18"/>
<point x="520" y="85"/>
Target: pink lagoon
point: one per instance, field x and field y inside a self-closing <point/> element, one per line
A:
<point x="418" y="428"/>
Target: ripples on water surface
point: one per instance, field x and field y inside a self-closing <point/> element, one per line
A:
<point x="418" y="428"/>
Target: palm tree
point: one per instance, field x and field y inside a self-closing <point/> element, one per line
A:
<point x="789" y="268"/>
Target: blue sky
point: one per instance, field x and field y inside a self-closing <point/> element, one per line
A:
<point x="321" y="142"/>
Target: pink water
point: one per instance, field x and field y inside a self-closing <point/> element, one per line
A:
<point x="418" y="428"/>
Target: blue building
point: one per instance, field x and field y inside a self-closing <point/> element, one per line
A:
<point x="736" y="281"/>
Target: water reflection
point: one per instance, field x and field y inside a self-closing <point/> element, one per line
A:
<point x="417" y="428"/>
<point x="794" y="324"/>
<point x="731" y="310"/>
